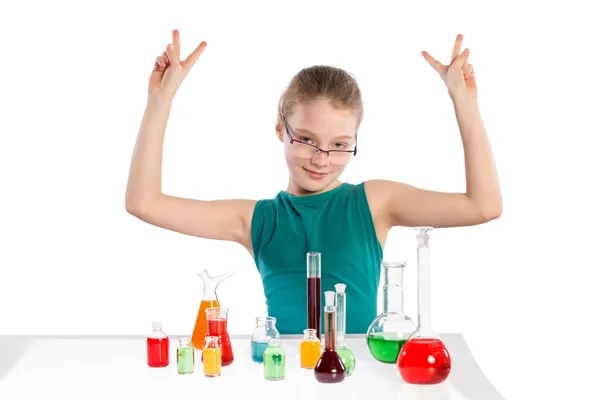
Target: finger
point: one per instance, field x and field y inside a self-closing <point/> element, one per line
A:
<point x="192" y="58"/>
<point x="457" y="46"/>
<point x="176" y="43"/>
<point x="173" y="60"/>
<point x="438" y="66"/>
<point x="470" y="72"/>
<point x="461" y="60"/>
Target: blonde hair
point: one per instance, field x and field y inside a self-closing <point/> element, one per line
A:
<point x="322" y="82"/>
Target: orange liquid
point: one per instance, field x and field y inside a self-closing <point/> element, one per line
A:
<point x="310" y="352"/>
<point x="200" y="328"/>
<point x="212" y="362"/>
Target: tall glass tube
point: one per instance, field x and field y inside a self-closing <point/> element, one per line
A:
<point x="424" y="358"/>
<point x="313" y="291"/>
<point x="344" y="352"/>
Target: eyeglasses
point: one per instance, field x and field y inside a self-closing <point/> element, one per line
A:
<point x="307" y="150"/>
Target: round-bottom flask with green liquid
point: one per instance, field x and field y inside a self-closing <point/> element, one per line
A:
<point x="274" y="361"/>
<point x="392" y="328"/>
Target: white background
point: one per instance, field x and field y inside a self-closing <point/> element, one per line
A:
<point x="74" y="79"/>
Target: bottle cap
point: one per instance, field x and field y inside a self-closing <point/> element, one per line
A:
<point x="157" y="325"/>
<point x="329" y="298"/>
<point x="340" y="288"/>
<point x="274" y="342"/>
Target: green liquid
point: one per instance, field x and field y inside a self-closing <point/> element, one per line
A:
<point x="274" y="364"/>
<point x="347" y="358"/>
<point x="185" y="360"/>
<point x="384" y="350"/>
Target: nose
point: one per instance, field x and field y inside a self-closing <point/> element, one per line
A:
<point x="320" y="159"/>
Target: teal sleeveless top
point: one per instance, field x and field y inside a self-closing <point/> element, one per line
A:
<point x="339" y="225"/>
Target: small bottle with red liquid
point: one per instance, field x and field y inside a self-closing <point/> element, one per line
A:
<point x="216" y="318"/>
<point x="424" y="358"/>
<point x="330" y="368"/>
<point x="313" y="291"/>
<point x="157" y="347"/>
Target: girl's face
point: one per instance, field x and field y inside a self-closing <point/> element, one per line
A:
<point x="312" y="125"/>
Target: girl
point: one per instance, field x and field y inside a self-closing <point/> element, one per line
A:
<point x="318" y="119"/>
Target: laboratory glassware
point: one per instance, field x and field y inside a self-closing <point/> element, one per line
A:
<point x="424" y="359"/>
<point x="310" y="349"/>
<point x="274" y="364"/>
<point x="313" y="291"/>
<point x="211" y="357"/>
<point x="217" y="326"/>
<point x="265" y="329"/>
<point x="343" y="351"/>
<point x="157" y="346"/>
<point x="329" y="368"/>
<point x="185" y="357"/>
<point x="392" y="328"/>
<point x="209" y="299"/>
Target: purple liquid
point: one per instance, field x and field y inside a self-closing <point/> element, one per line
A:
<point x="329" y="368"/>
<point x="314" y="304"/>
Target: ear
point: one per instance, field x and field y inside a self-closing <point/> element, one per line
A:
<point x="279" y="131"/>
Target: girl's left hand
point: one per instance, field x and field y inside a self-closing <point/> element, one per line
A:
<point x="458" y="76"/>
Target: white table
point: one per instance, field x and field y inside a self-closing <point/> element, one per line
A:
<point x="114" y="367"/>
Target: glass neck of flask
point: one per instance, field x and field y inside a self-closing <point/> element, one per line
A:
<point x="393" y="290"/>
<point x="423" y="295"/>
<point x="340" y="320"/>
<point x="329" y="330"/>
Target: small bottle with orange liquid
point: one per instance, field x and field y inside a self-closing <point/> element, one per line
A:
<point x="211" y="357"/>
<point x="209" y="300"/>
<point x="310" y="349"/>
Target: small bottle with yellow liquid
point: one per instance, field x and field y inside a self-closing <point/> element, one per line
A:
<point x="211" y="357"/>
<point x="310" y="349"/>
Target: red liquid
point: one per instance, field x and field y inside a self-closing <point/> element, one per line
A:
<point x="329" y="368"/>
<point x="158" y="352"/>
<point x="314" y="304"/>
<point x="424" y="361"/>
<point x="219" y="328"/>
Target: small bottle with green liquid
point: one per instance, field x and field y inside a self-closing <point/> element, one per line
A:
<point x="274" y="361"/>
<point x="392" y="328"/>
<point x="185" y="357"/>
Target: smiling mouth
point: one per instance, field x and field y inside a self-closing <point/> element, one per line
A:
<point x="316" y="175"/>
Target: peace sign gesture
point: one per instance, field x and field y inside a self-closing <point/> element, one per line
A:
<point x="458" y="76"/>
<point x="169" y="71"/>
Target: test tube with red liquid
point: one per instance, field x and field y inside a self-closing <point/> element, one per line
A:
<point x="313" y="289"/>
<point x="424" y="358"/>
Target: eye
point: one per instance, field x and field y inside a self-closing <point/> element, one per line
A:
<point x="340" y="145"/>
<point x="305" y="140"/>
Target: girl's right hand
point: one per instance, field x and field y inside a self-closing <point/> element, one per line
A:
<point x="169" y="71"/>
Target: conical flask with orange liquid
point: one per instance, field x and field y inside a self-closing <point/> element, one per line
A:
<point x="209" y="300"/>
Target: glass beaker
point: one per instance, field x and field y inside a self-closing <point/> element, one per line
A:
<point x="211" y="357"/>
<point x="329" y="368"/>
<point x="392" y="328"/>
<point x="157" y="347"/>
<point x="274" y="365"/>
<point x="209" y="299"/>
<point x="424" y="358"/>
<point x="313" y="291"/>
<point x="310" y="349"/>
<point x="265" y="330"/>
<point x="344" y="352"/>
<point x="185" y="357"/>
<point x="217" y="326"/>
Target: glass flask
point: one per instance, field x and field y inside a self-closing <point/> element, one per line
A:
<point x="265" y="330"/>
<point x="313" y="291"/>
<point x="392" y="328"/>
<point x="424" y="358"/>
<point x="185" y="357"/>
<point x="310" y="349"/>
<point x="217" y="326"/>
<point x="157" y="347"/>
<point x="344" y="352"/>
<point x="329" y="368"/>
<point x="209" y="299"/>
<point x="274" y="364"/>
<point x="211" y="357"/>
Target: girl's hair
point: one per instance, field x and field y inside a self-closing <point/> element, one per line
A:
<point x="322" y="82"/>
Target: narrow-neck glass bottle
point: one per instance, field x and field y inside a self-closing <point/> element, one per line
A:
<point x="274" y="361"/>
<point x="392" y="328"/>
<point x="211" y="356"/>
<point x="424" y="359"/>
<point x="157" y="347"/>
<point x="310" y="349"/>
<point x="343" y="351"/>
<point x="264" y="331"/>
<point x="185" y="357"/>
<point x="329" y="368"/>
